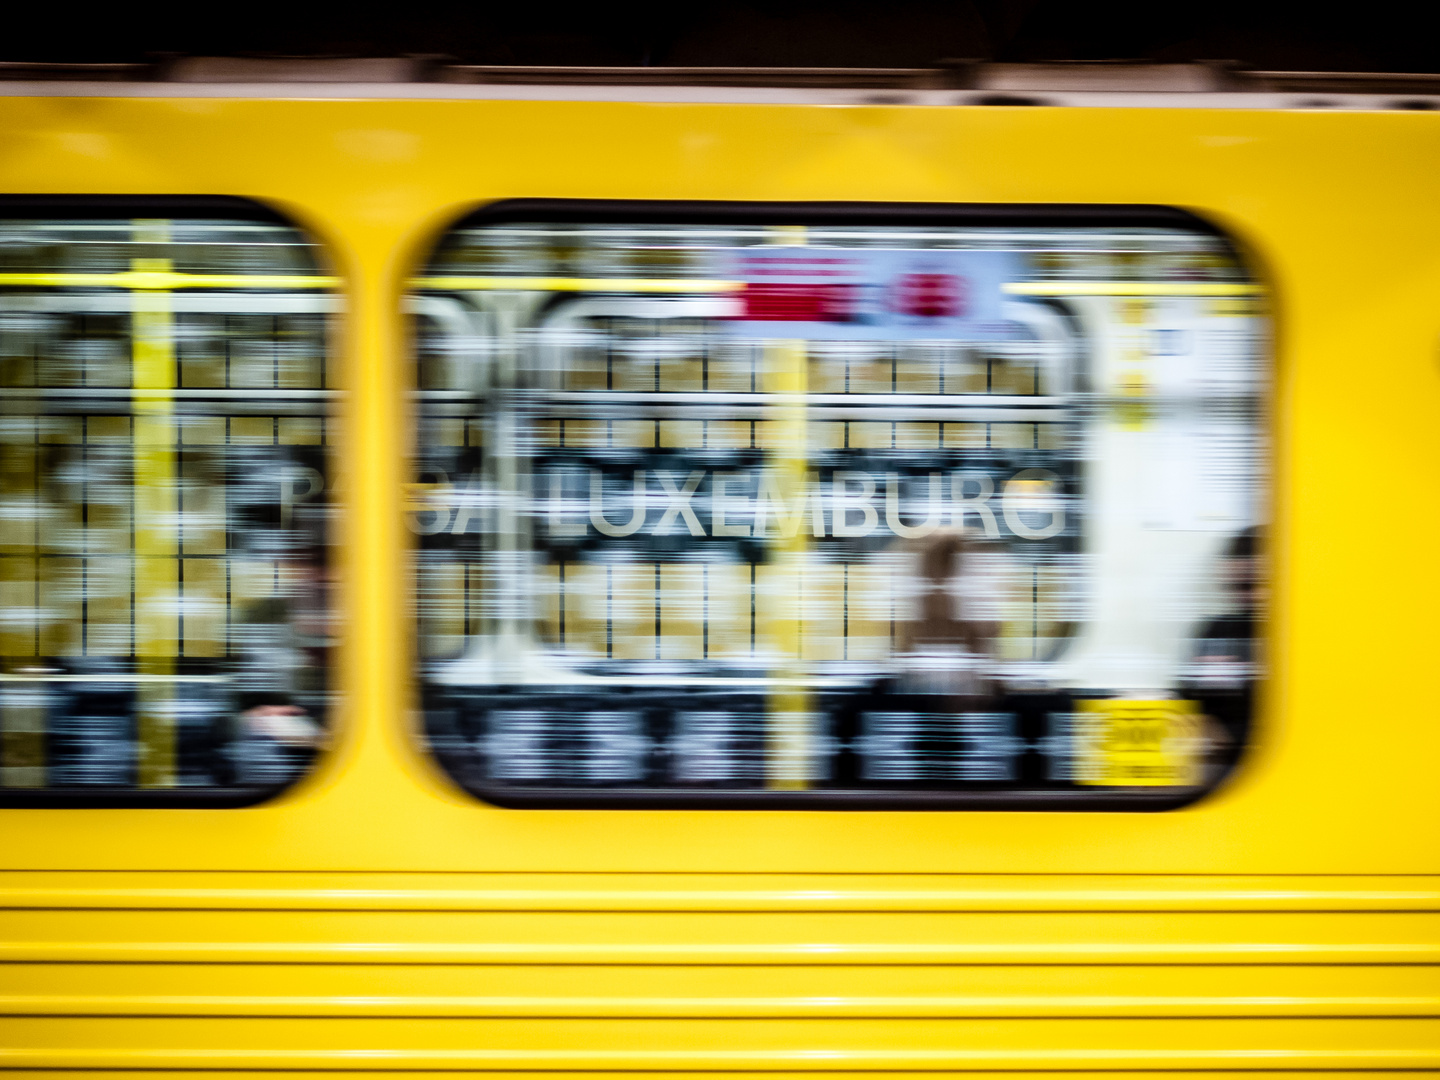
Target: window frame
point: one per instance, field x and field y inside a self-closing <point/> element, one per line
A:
<point x="109" y="207"/>
<point x="820" y="213"/>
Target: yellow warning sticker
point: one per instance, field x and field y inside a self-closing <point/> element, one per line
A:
<point x="1119" y="743"/>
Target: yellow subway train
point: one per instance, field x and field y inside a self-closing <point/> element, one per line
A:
<point x="730" y="573"/>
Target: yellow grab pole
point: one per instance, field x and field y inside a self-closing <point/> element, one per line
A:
<point x="788" y="734"/>
<point x="156" y="612"/>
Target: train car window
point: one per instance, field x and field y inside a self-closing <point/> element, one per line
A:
<point x="838" y="506"/>
<point x="164" y="485"/>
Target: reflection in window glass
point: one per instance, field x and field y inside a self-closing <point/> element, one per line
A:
<point x="164" y="622"/>
<point x="877" y="514"/>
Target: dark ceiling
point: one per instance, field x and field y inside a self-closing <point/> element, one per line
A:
<point x="1381" y="36"/>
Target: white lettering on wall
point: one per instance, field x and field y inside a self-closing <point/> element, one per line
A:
<point x="892" y="508"/>
<point x="976" y="504"/>
<point x="788" y="517"/>
<point x="677" y="502"/>
<point x="723" y="503"/>
<point x="1031" y="503"/>
<point x="844" y="501"/>
<point x="597" y="506"/>
<point x="1035" y="492"/>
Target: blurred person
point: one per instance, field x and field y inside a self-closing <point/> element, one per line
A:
<point x="282" y="726"/>
<point x="1220" y="673"/>
<point x="944" y="649"/>
<point x="276" y="736"/>
<point x="934" y="717"/>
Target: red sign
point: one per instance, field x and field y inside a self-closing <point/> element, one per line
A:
<point x="930" y="296"/>
<point x="798" y="302"/>
<point x="870" y="294"/>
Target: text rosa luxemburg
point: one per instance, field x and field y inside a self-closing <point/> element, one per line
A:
<point x="764" y="504"/>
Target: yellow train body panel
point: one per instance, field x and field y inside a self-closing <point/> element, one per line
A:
<point x="377" y="920"/>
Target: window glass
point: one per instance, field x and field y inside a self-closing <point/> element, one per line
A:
<point x="769" y="507"/>
<point x="164" y="484"/>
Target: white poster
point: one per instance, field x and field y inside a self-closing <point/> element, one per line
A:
<point x="871" y="294"/>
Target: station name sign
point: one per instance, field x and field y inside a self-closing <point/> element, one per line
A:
<point x="572" y="502"/>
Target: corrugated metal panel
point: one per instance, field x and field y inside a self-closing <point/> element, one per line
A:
<point x="696" y="972"/>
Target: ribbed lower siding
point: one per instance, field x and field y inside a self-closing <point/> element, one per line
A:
<point x="782" y="1045"/>
<point x="712" y="993"/>
<point x="742" y="975"/>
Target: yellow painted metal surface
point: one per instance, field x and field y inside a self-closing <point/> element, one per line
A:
<point x="377" y="920"/>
